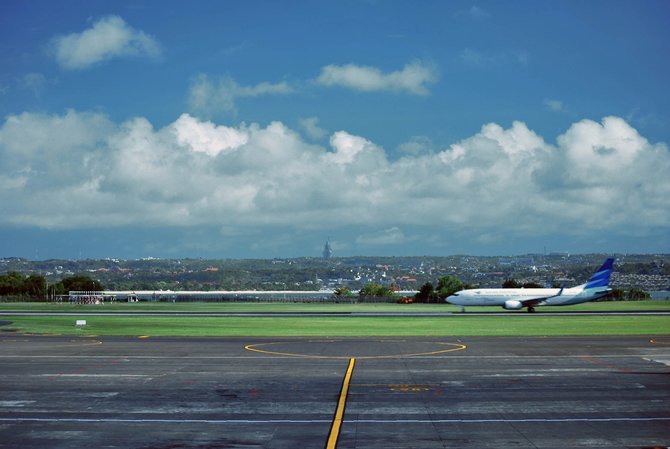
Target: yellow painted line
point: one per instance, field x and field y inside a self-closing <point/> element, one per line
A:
<point x="254" y="348"/>
<point x="88" y="342"/>
<point x="395" y="385"/>
<point x="71" y="343"/>
<point x="142" y="336"/>
<point x="341" y="404"/>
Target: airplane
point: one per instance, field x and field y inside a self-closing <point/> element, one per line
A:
<point x="517" y="298"/>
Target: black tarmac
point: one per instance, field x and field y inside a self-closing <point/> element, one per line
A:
<point x="475" y="392"/>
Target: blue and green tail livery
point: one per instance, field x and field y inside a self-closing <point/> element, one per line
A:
<point x="601" y="278"/>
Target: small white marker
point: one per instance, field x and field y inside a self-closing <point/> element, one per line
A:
<point x="80" y="323"/>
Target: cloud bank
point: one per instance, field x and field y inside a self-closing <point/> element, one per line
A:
<point x="81" y="170"/>
<point x="109" y="37"/>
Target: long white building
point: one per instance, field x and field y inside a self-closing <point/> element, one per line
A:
<point x="219" y="296"/>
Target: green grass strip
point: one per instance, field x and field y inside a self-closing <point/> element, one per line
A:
<point x="522" y="325"/>
<point x="312" y="307"/>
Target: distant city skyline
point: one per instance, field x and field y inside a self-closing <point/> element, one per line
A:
<point x="256" y="129"/>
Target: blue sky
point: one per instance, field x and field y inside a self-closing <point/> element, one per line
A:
<point x="260" y="129"/>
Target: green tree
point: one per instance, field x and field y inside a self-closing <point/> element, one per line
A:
<point x="35" y="286"/>
<point x="12" y="283"/>
<point x="81" y="283"/>
<point x="511" y="283"/>
<point x="637" y="294"/>
<point x="373" y="290"/>
<point x="426" y="294"/>
<point x="16" y="284"/>
<point x="617" y="294"/>
<point x="531" y="285"/>
<point x="448" y="285"/>
<point x="343" y="293"/>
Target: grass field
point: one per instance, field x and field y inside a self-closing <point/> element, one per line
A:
<point x="310" y="307"/>
<point x="521" y="324"/>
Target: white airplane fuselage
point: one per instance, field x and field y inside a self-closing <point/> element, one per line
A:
<point x="501" y="296"/>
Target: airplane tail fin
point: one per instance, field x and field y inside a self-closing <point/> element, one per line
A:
<point x="601" y="278"/>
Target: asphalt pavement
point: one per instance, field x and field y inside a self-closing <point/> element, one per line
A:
<point x="474" y="392"/>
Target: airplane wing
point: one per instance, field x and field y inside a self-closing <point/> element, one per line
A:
<point x="537" y="300"/>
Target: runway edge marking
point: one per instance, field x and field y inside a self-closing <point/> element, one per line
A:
<point x="341" y="405"/>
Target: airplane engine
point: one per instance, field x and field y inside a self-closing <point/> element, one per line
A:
<point x="513" y="305"/>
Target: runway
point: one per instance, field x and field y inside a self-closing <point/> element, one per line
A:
<point x="478" y="392"/>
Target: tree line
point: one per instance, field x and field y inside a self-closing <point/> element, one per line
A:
<point x="14" y="284"/>
<point x="429" y="293"/>
<point x="34" y="286"/>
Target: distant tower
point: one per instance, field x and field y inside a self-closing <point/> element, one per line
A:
<point x="327" y="250"/>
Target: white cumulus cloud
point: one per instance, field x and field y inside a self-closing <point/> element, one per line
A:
<point x="311" y="126"/>
<point x="412" y="79"/>
<point x="554" y="105"/>
<point x="206" y="137"/>
<point x="108" y="38"/>
<point x="416" y="145"/>
<point x="209" y="97"/>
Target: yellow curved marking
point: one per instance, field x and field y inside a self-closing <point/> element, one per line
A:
<point x="253" y="347"/>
